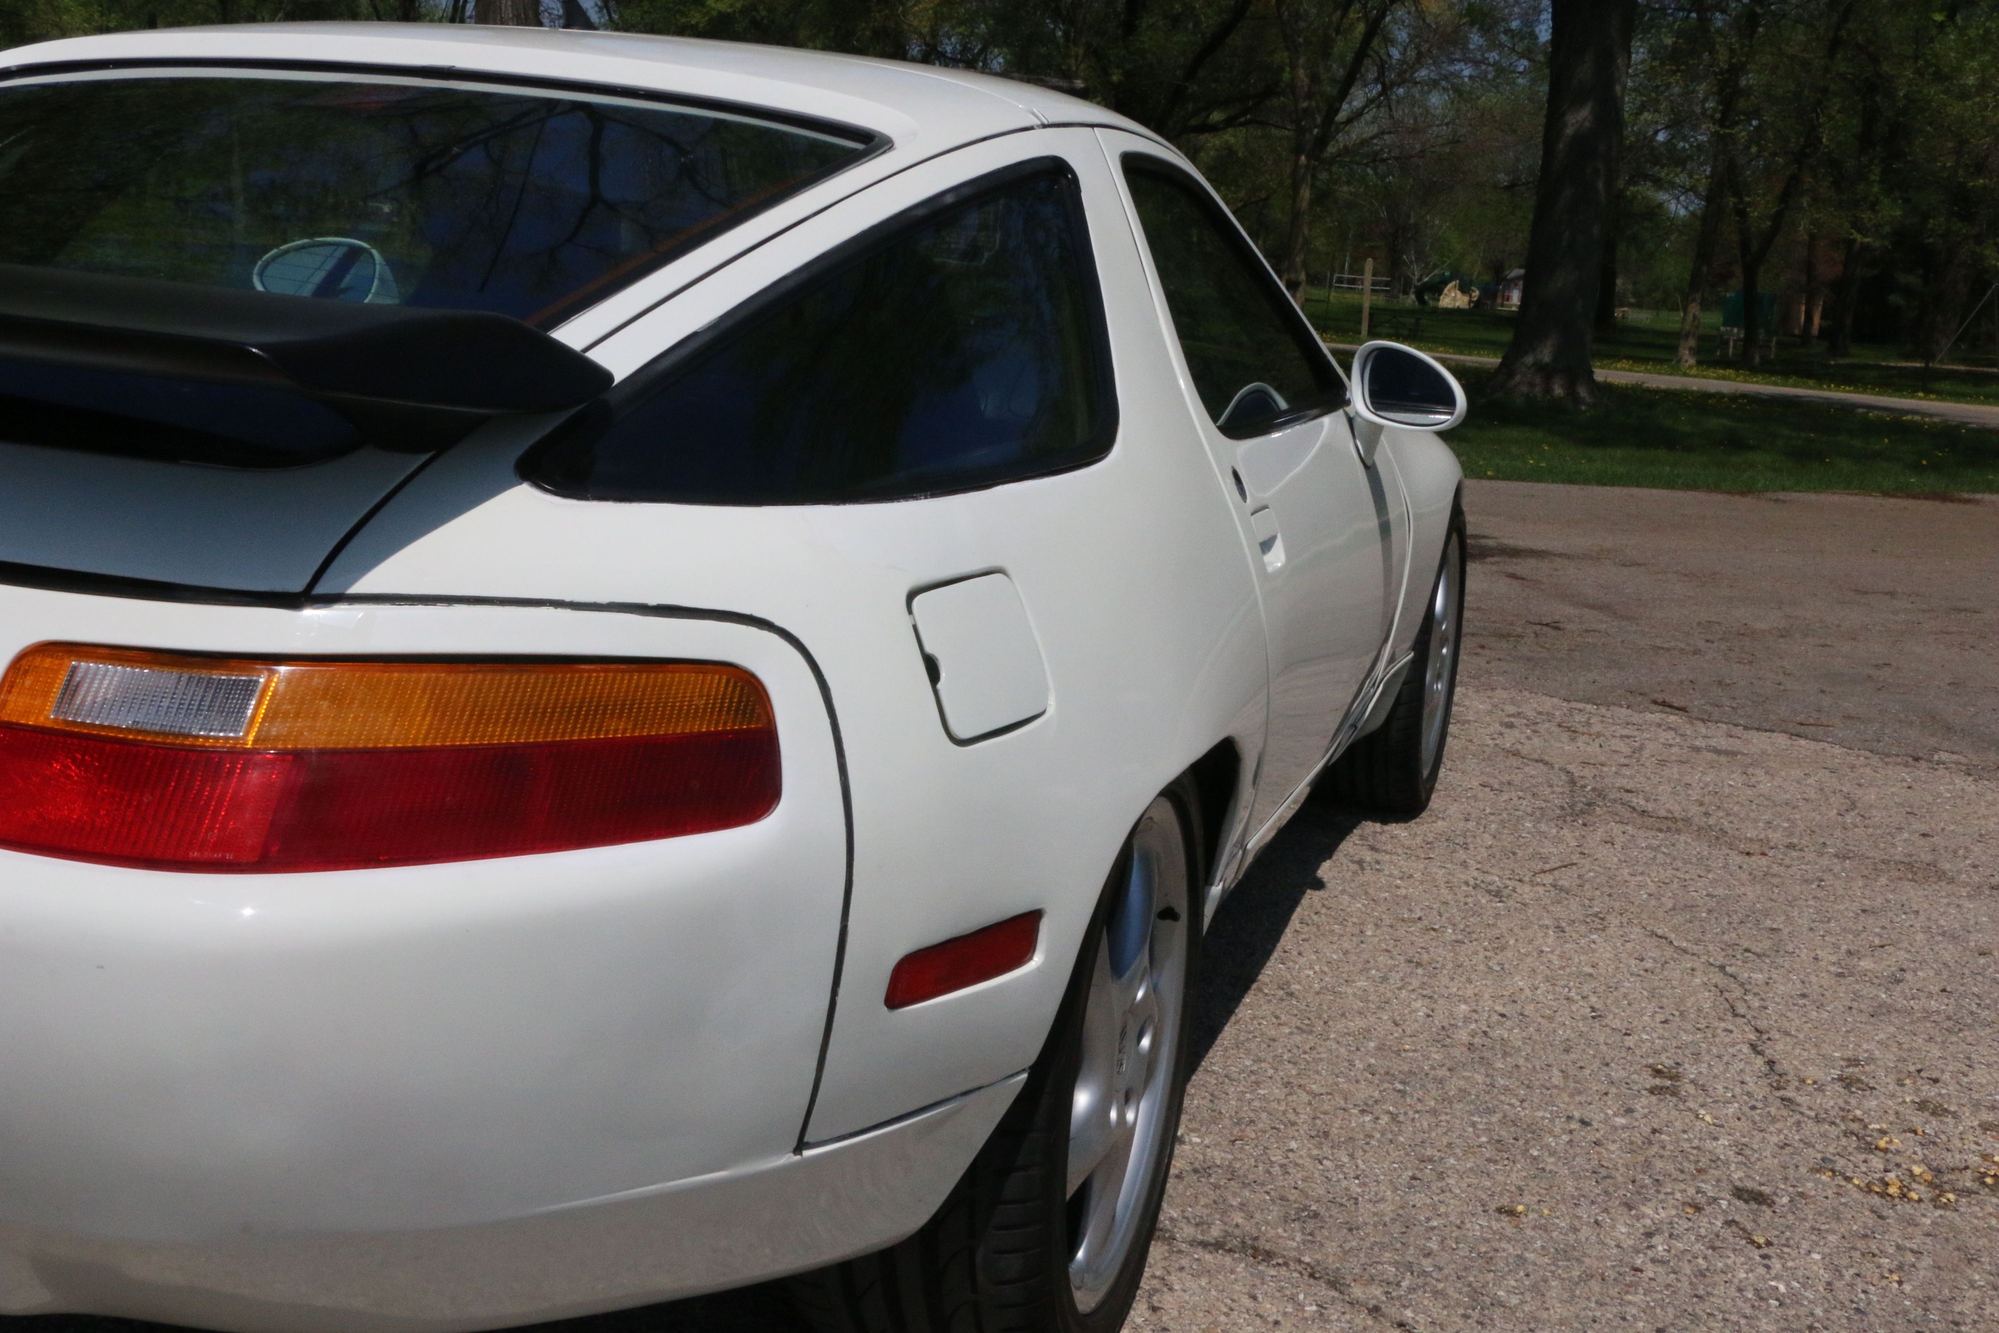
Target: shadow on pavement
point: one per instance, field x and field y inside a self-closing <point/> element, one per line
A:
<point x="1245" y="934"/>
<point x="1246" y="930"/>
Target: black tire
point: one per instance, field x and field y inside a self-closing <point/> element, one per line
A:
<point x="1385" y="772"/>
<point x="995" y="1257"/>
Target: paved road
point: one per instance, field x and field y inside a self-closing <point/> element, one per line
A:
<point x="1699" y="933"/>
<point x="1970" y="414"/>
<point x="1868" y="622"/>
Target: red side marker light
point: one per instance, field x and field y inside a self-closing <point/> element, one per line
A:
<point x="954" y="965"/>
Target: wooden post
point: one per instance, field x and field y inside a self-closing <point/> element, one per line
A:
<point x="1366" y="296"/>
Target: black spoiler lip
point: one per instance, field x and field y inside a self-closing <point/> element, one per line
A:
<point x="402" y="378"/>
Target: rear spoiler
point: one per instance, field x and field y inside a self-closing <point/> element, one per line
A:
<point x="248" y="379"/>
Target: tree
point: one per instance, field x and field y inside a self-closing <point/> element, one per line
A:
<point x="1589" y="58"/>
<point x="1326" y="48"/>
<point x="1804" y="106"/>
<point x="1698" y="60"/>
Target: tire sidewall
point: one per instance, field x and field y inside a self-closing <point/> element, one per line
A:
<point x="1417" y="674"/>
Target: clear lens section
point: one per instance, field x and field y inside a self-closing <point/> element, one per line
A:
<point x="161" y="702"/>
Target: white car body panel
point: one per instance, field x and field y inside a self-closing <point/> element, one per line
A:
<point x="839" y="577"/>
<point x="237" y="1100"/>
<point x="421" y="999"/>
<point x="984" y="660"/>
<point x="1327" y="530"/>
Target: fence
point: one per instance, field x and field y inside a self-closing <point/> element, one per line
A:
<point x="1353" y="282"/>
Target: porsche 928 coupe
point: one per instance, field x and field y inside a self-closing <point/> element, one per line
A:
<point x="630" y="666"/>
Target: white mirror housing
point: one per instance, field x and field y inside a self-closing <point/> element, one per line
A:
<point x="1395" y="385"/>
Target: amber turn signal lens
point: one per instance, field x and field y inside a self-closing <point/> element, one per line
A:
<point x="178" y="761"/>
<point x="244" y="704"/>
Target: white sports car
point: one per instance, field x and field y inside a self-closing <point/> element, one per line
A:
<point x="632" y="666"/>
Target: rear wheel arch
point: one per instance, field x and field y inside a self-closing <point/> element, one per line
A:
<point x="1216" y="781"/>
<point x="1000" y="1251"/>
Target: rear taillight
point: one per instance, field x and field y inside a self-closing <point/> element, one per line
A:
<point x="197" y="763"/>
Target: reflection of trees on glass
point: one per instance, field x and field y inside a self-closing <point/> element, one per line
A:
<point x="1236" y="328"/>
<point x="528" y="205"/>
<point x="962" y="350"/>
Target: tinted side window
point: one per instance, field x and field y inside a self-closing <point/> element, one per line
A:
<point x="1255" y="363"/>
<point x="956" y="347"/>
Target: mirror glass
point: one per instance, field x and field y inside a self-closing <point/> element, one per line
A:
<point x="1407" y="389"/>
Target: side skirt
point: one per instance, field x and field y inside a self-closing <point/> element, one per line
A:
<point x="1368" y="711"/>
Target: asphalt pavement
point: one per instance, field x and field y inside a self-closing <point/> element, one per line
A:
<point x="1677" y="1009"/>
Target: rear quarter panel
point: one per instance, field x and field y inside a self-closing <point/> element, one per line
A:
<point x="433" y="1045"/>
<point x="1133" y="578"/>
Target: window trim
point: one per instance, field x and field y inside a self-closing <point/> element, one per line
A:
<point x="869" y="141"/>
<point x="868" y="144"/>
<point x="638" y="389"/>
<point x="1133" y="161"/>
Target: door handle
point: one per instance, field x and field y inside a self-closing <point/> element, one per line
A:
<point x="1269" y="540"/>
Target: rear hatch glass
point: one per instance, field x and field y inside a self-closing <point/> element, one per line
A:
<point x="307" y="189"/>
<point x="379" y="189"/>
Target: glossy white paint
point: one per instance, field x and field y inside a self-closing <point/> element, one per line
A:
<point x="759" y="1220"/>
<point x="519" y="1059"/>
<point x="430" y="1046"/>
<point x="1363" y="405"/>
<point x="982" y="655"/>
<point x="1131" y="565"/>
<point x="1329" y="598"/>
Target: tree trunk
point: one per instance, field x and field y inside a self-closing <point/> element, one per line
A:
<point x="1754" y="249"/>
<point x="1750" y="258"/>
<point x="1606" y="282"/>
<point x="1297" y="228"/>
<point x="1752" y="319"/>
<point x="510" y="13"/>
<point x="1589" y="56"/>
<point x="1847" y="299"/>
<point x="1394" y="250"/>
<point x="1706" y="241"/>
<point x="1806" y="330"/>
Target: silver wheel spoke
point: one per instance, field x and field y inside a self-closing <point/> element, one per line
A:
<point x="1439" y="666"/>
<point x="1133" y="990"/>
<point x="1129" y="1056"/>
<point x="1094" y="1135"/>
<point x="1100" y="1209"/>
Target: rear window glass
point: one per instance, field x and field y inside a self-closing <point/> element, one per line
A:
<point x="958" y="346"/>
<point x="398" y="191"/>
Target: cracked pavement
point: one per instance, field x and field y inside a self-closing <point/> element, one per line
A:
<point x="1678" y="1008"/>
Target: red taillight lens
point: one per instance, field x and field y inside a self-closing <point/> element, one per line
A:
<point x="199" y="764"/>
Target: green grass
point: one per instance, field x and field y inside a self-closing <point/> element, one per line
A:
<point x="1688" y="440"/>
<point x="1649" y="341"/>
